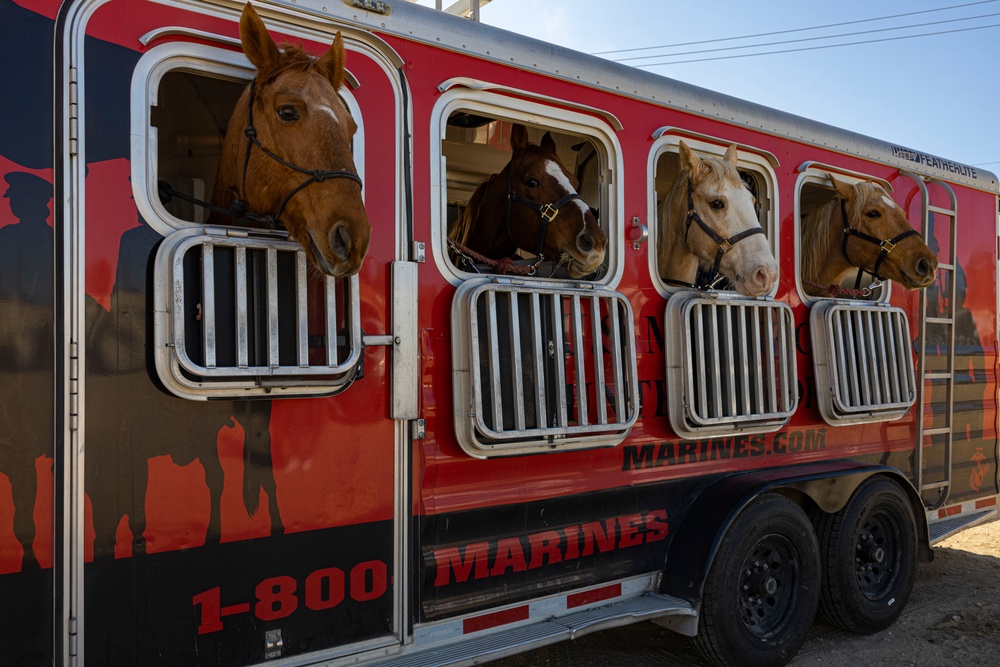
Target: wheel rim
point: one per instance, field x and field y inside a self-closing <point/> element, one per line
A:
<point x="876" y="554"/>
<point x="767" y="586"/>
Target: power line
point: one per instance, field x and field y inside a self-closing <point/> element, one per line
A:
<point x="809" y="39"/>
<point x="816" y="48"/>
<point x="782" y="32"/>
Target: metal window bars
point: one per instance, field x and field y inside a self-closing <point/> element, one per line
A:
<point x="730" y="364"/>
<point x="239" y="315"/>
<point x="542" y="367"/>
<point x="863" y="361"/>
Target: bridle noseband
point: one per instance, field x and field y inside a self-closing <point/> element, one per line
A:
<point x="273" y="220"/>
<point x="724" y="244"/>
<point x="886" y="245"/>
<point x="548" y="212"/>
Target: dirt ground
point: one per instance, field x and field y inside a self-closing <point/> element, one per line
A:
<point x="951" y="620"/>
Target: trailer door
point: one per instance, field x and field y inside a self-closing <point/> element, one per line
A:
<point x="239" y="454"/>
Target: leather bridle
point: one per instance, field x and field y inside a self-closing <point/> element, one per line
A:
<point x="886" y="245"/>
<point x="548" y="212"/>
<point x="724" y="245"/>
<point x="273" y="220"/>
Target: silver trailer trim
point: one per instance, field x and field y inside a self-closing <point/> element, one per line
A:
<point x="266" y="361"/>
<point x="414" y="22"/>
<point x="730" y="364"/>
<point x="515" y="392"/>
<point x="863" y="360"/>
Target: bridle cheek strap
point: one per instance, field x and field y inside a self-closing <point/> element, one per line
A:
<point x="886" y="245"/>
<point x="273" y="220"/>
<point x="548" y="212"/>
<point x="724" y="244"/>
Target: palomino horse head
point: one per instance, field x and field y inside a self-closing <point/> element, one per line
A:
<point x="287" y="152"/>
<point x="872" y="233"/>
<point x="533" y="205"/>
<point x="727" y="236"/>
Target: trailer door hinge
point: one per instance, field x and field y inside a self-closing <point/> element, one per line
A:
<point x="73" y="646"/>
<point x="74" y="385"/>
<point x="74" y="113"/>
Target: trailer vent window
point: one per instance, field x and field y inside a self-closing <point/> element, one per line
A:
<point x="731" y="366"/>
<point x="241" y="315"/>
<point x="864" y="364"/>
<point x="542" y="367"/>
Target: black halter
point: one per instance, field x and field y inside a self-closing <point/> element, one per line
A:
<point x="724" y="244"/>
<point x="273" y="220"/>
<point x="547" y="211"/>
<point x="887" y="245"/>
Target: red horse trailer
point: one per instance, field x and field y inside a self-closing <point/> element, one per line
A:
<point x="213" y="454"/>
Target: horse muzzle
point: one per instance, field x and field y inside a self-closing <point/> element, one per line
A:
<point x="921" y="274"/>
<point x="758" y="281"/>
<point x="345" y="250"/>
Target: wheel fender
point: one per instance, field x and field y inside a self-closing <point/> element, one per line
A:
<point x="714" y="509"/>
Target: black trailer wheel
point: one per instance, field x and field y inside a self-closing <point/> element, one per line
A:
<point x="869" y="558"/>
<point x="762" y="589"/>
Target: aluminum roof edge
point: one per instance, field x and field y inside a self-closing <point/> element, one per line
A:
<point x="415" y="22"/>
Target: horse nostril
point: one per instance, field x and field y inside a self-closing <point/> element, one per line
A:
<point x="923" y="267"/>
<point x="585" y="242"/>
<point x="340" y="242"/>
<point x="764" y="277"/>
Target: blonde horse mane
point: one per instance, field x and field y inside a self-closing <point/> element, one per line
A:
<point x="816" y="235"/>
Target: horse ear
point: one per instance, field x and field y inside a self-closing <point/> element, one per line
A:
<point x="691" y="162"/>
<point x="730" y="155"/>
<point x="333" y="61"/>
<point x="548" y="143"/>
<point x="257" y="44"/>
<point x="518" y="137"/>
<point x="843" y="190"/>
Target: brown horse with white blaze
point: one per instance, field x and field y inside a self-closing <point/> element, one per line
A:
<point x="727" y="235"/>
<point x="862" y="228"/>
<point x="533" y="205"/>
<point x="287" y="160"/>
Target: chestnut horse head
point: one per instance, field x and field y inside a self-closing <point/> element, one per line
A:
<point x="727" y="236"/>
<point x="862" y="228"/>
<point x="286" y="159"/>
<point x="533" y="205"/>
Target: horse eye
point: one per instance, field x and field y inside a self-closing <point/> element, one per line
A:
<point x="717" y="204"/>
<point x="873" y="214"/>
<point x="531" y="183"/>
<point x="288" y="113"/>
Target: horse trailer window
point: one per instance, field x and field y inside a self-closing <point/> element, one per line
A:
<point x="190" y="119"/>
<point x="239" y="312"/>
<point x="819" y="244"/>
<point x="523" y="200"/>
<point x="521" y="187"/>
<point x="542" y="367"/>
<point x="714" y="231"/>
<point x="730" y="365"/>
<point x="863" y="361"/>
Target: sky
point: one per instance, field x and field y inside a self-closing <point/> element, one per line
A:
<point x="938" y="94"/>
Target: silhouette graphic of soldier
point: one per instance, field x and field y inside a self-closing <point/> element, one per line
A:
<point x="26" y="346"/>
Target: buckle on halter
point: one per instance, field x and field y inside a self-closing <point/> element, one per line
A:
<point x="887" y="246"/>
<point x="725" y="246"/>
<point x="548" y="212"/>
